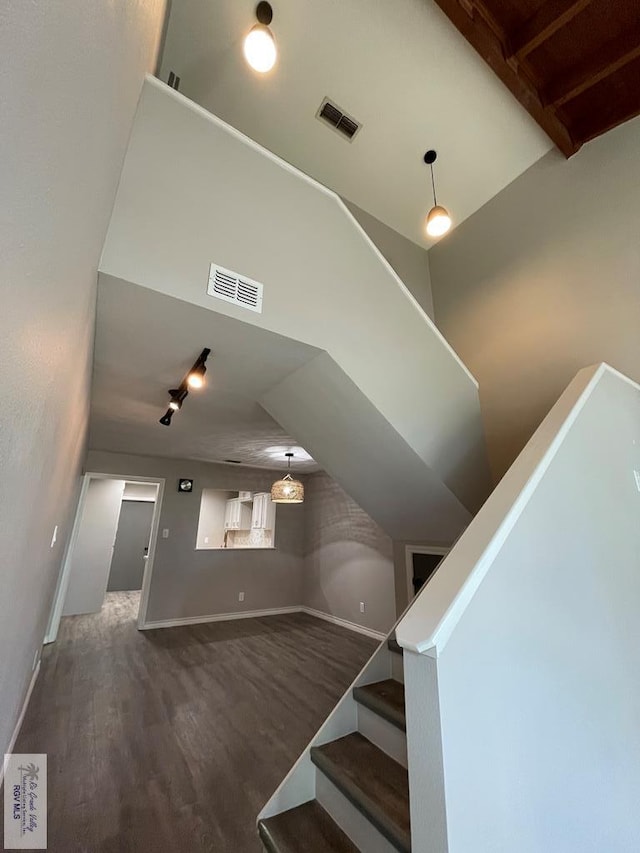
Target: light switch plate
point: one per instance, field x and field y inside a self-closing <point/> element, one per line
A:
<point x="165" y="533"/>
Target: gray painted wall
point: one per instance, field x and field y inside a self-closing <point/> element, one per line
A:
<point x="409" y="260"/>
<point x="329" y="554"/>
<point x="187" y="582"/>
<point x="91" y="558"/>
<point x="539" y="694"/>
<point x="544" y="280"/>
<point x="66" y="118"/>
<point x="348" y="558"/>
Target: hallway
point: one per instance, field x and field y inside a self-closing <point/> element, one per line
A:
<point x="172" y="740"/>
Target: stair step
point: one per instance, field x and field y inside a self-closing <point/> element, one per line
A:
<point x="376" y="785"/>
<point x="307" y="827"/>
<point x="386" y="698"/>
<point x="394" y="646"/>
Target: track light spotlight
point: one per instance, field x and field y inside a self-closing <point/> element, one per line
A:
<point x="177" y="398"/>
<point x="193" y="379"/>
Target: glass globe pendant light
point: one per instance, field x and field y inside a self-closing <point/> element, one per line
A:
<point x="438" y="220"/>
<point x="259" y="44"/>
<point x="287" y="490"/>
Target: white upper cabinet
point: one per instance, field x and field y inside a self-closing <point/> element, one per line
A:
<point x="237" y="515"/>
<point x="264" y="512"/>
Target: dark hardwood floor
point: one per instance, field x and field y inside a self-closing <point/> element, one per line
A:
<point x="172" y="740"/>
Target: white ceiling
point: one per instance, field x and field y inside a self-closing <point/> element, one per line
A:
<point x="146" y="342"/>
<point x="399" y="67"/>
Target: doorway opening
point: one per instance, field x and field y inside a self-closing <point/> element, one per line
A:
<point x="421" y="563"/>
<point x="111" y="548"/>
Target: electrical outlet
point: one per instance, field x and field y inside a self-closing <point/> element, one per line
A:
<point x="362" y="607"/>
<point x="241" y="596"/>
<point x="165" y="533"/>
<point x="55" y="536"/>
<point x="636" y="474"/>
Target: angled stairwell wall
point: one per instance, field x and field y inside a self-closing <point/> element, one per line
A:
<point x="532" y="625"/>
<point x="194" y="191"/>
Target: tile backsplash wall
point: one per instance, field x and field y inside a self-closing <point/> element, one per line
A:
<point x="250" y="539"/>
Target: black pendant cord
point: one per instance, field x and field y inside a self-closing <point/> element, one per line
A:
<point x="433" y="186"/>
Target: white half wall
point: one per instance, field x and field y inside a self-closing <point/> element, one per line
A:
<point x="227" y="200"/>
<point x="91" y="557"/>
<point x="537" y="668"/>
<point x="72" y="73"/>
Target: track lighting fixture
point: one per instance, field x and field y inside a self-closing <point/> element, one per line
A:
<point x="438" y="220"/>
<point x="259" y="45"/>
<point x="193" y="379"/>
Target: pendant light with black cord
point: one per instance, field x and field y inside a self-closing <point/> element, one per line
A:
<point x="287" y="490"/>
<point x="438" y="220"/>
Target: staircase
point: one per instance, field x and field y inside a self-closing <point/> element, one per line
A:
<point x="361" y="786"/>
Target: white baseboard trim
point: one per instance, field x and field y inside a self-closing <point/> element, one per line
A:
<point x="253" y="614"/>
<point x="344" y="623"/>
<point x="18" y="726"/>
<point x="218" y="617"/>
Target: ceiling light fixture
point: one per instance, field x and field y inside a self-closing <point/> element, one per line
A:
<point x="287" y="490"/>
<point x="259" y="45"/>
<point x="193" y="379"/>
<point x="438" y="220"/>
<point x="177" y="399"/>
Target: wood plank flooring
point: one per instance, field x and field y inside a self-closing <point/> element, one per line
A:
<point x="172" y="740"/>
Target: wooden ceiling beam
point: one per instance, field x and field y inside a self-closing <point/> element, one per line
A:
<point x="590" y="129"/>
<point x="612" y="57"/>
<point x="469" y="20"/>
<point x="550" y="18"/>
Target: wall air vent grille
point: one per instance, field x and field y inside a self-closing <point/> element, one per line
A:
<point x="338" y="119"/>
<point x="235" y="288"/>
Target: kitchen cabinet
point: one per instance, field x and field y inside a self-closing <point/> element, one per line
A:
<point x="237" y="515"/>
<point x="263" y="516"/>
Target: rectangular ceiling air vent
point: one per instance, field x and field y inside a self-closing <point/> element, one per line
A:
<point x="338" y="119"/>
<point x="233" y="287"/>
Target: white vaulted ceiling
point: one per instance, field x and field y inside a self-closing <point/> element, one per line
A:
<point x="399" y="67"/>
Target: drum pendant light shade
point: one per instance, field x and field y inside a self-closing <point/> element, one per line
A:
<point x="287" y="490"/>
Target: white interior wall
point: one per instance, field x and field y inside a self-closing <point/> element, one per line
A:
<point x="90" y="559"/>
<point x="539" y="696"/>
<point x="543" y="280"/>
<point x="325" y="284"/>
<point x="213" y="507"/>
<point x="72" y="75"/>
<point x="140" y="492"/>
<point x="409" y="260"/>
